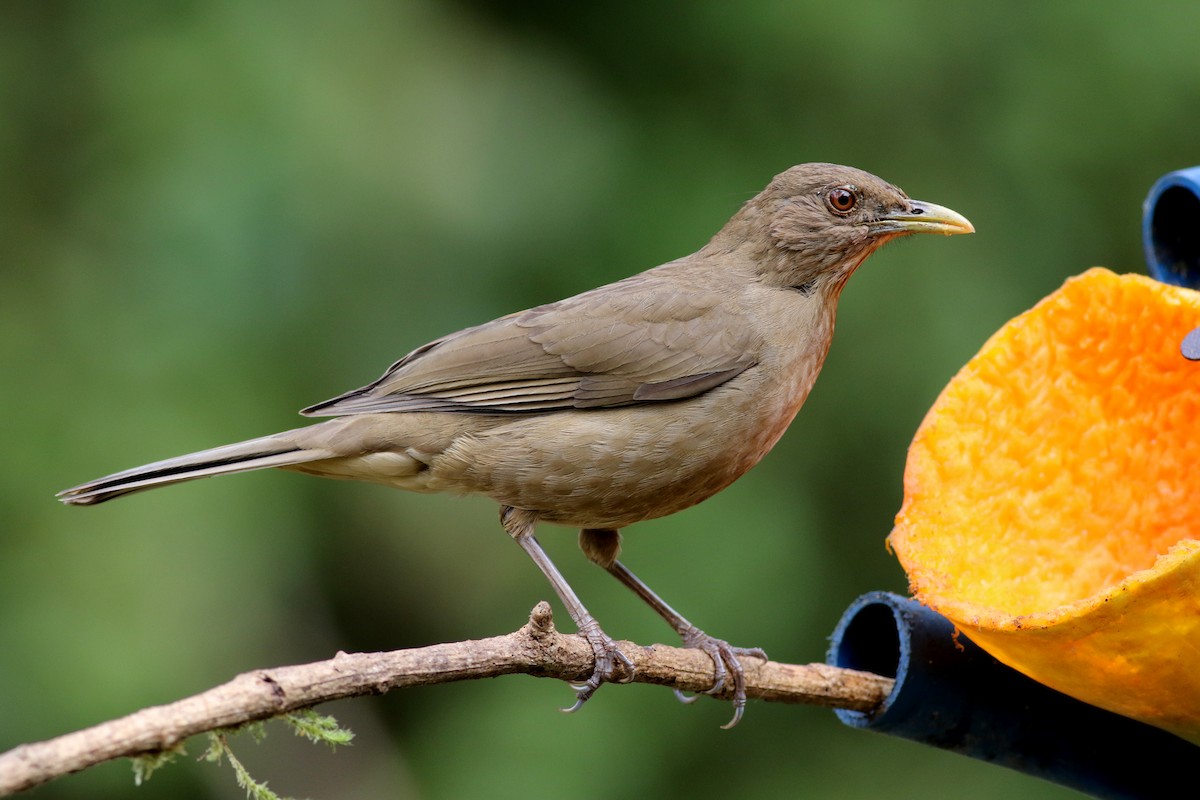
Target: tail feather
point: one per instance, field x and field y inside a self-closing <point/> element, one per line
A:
<point x="278" y="450"/>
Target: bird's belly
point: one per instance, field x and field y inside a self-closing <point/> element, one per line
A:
<point x="611" y="468"/>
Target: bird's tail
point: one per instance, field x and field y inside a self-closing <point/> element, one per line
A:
<point x="277" y="450"/>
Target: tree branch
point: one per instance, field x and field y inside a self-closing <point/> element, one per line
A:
<point x="536" y="649"/>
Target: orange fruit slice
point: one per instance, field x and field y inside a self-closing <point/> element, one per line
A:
<point x="1052" y="498"/>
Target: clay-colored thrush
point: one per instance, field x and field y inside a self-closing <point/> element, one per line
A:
<point x="624" y="403"/>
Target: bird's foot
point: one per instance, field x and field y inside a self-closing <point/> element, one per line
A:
<point x="608" y="656"/>
<point x="727" y="666"/>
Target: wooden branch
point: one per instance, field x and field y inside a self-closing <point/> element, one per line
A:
<point x="536" y="649"/>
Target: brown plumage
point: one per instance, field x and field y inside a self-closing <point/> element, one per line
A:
<point x="624" y="403"/>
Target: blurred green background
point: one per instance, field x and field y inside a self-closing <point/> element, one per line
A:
<point x="215" y="213"/>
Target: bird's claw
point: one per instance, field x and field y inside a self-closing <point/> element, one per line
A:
<point x="607" y="656"/>
<point x="726" y="664"/>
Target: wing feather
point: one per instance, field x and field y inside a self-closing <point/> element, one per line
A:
<point x="640" y="340"/>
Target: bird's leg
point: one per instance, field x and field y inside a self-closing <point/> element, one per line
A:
<point x="602" y="547"/>
<point x="520" y="524"/>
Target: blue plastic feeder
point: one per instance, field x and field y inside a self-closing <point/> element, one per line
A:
<point x="1171" y="228"/>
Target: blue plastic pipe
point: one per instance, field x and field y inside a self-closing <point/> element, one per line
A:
<point x="952" y="695"/>
<point x="1171" y="228"/>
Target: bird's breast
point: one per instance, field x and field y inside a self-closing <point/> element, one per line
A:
<point x="613" y="467"/>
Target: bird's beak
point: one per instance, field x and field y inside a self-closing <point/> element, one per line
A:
<point x="921" y="217"/>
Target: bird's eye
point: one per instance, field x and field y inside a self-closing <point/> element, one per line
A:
<point x="841" y="200"/>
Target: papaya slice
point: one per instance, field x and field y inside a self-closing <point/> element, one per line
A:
<point x="1052" y="498"/>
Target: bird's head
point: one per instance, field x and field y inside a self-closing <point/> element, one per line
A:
<point x="818" y="222"/>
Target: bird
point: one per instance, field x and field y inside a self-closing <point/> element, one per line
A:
<point x="625" y="403"/>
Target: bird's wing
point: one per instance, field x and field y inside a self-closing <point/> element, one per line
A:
<point x="642" y="340"/>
